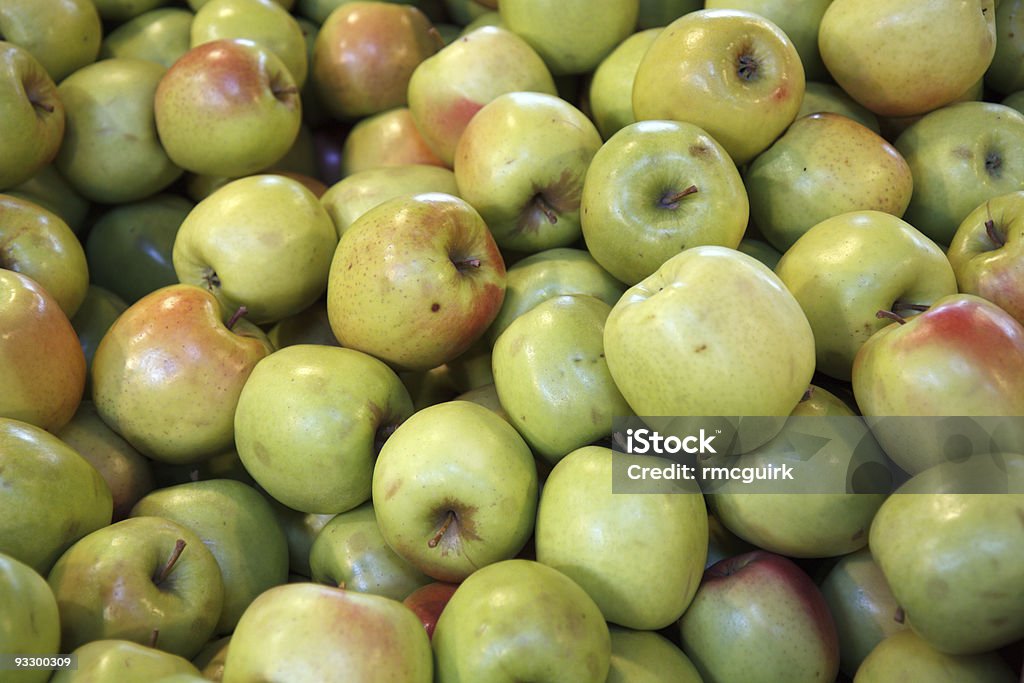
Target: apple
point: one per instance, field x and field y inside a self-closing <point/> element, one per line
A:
<point x="310" y="420"/>
<point x="828" y="97"/>
<point x="123" y="10"/>
<point x="733" y="73"/>
<point x="447" y="89"/>
<point x="42" y="365"/>
<point x="64" y="35"/>
<point x="648" y="657"/>
<point x="654" y="189"/>
<point x="906" y="657"/>
<point x="33" y="116"/>
<point x="166" y="580"/>
<point x="455" y="489"/>
<point x="960" y="156"/>
<point x="334" y="636"/>
<point x="40" y="245"/>
<point x="263" y="242"/>
<point x="210" y="660"/>
<point x="387" y="139"/>
<point x="160" y="35"/>
<point x="443" y="286"/>
<point x="982" y="252"/>
<point x="98" y="311"/>
<point x="169" y="371"/>
<point x="521" y="620"/>
<point x="365" y="54"/>
<point x="610" y="93"/>
<point x="1005" y="74"/>
<point x="308" y="326"/>
<point x="31" y="624"/>
<point x="50" y="190"/>
<point x="659" y="13"/>
<point x="429" y="601"/>
<point x="883" y="54"/>
<point x="759" y="617"/>
<point x="760" y="250"/>
<point x="824" y="164"/>
<point x="463" y="12"/>
<point x="112" y="660"/>
<point x="544" y="23"/>
<point x="300" y="530"/>
<point x="228" y="107"/>
<point x="846" y="268"/>
<point x="521" y="162"/>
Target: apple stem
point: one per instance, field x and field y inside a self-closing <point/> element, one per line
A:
<point x="449" y="518"/>
<point x="466" y="264"/>
<point x="165" y="571"/>
<point x="672" y="200"/>
<point x="900" y="616"/>
<point x="891" y="316"/>
<point x="545" y="209"/>
<point x="236" y="316"/>
<point x="153" y="637"/>
<point x="990" y="230"/>
<point x="48" y="108"/>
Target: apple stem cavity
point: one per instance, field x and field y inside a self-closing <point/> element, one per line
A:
<point x="236" y="316"/>
<point x="462" y="265"/>
<point x="993" y="234"/>
<point x="165" y="571"/>
<point x="671" y="201"/>
<point x="449" y="518"/>
<point x="545" y="208"/>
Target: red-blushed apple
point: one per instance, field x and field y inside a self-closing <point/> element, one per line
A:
<point x="428" y="602"/>
<point x="447" y="89"/>
<point x="42" y="366"/>
<point x="387" y="139"/>
<point x="415" y="281"/>
<point x="168" y="373"/>
<point x="964" y="356"/>
<point x="228" y="107"/>
<point x="987" y="253"/>
<point x="756" y="618"/>
<point x="365" y="53"/>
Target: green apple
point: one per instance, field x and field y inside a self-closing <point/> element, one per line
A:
<point x="50" y="190"/>
<point x="521" y="162"/>
<point x="387" y="139"/>
<point x="712" y="332"/>
<point x="486" y="396"/>
<point x="166" y="580"/>
<point x="210" y="660"/>
<point x="333" y="636"/>
<point x="983" y="252"/>
<point x="357" y="193"/>
<point x="64" y="35"/>
<point x="128" y="474"/>
<point x="545" y="25"/>
<point x="472" y="369"/>
<point x="40" y="245"/>
<point x="427" y="387"/>
<point x="552" y="378"/>
<point x="129" y="247"/>
<point x="848" y="267"/>
<point x="521" y="620"/>
<point x="761" y="250"/>
<point x="648" y="657"/>
<point x="824" y="164"/>
<point x="654" y="189"/>
<point x="758" y="617"/>
<point x="610" y="93"/>
<point x="350" y="552"/>
<point x="300" y="530"/>
<point x="862" y="605"/>
<point x="308" y="326"/>
<point x="263" y="242"/>
<point x="442" y="288"/>
<point x="42" y="365"/>
<point x="906" y="658"/>
<point x="733" y="73"/>
<point x="168" y="374"/>
<point x="160" y="35"/>
<point x="465" y="11"/>
<point x="287" y="4"/>
<point x="224" y="465"/>
<point x="659" y="13"/>
<point x="33" y="116"/>
<point x="122" y="10"/>
<point x="98" y="311"/>
<point x="640" y="556"/>
<point x="262" y="21"/>
<point x="723" y="543"/>
<point x="228" y="107"/>
<point x="365" y="54"/>
<point x="310" y="421"/>
<point x="889" y="56"/>
<point x="121" y="661"/>
<point x="454" y="489"/>
<point x="548" y="274"/>
<point x="238" y="526"/>
<point x="447" y="89"/>
<point x="827" y="97"/>
<point x="31" y="624"/>
<point x="1015" y="100"/>
<point x="960" y="156"/>
<point x="1006" y="74"/>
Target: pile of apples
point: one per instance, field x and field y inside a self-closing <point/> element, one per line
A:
<point x="316" y="317"/>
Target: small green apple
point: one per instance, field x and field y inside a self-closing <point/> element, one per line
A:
<point x="648" y="657"/>
<point x="610" y="93"/>
<point x="828" y="97"/>
<point x="31" y="623"/>
<point x="33" y="115"/>
<point x="50" y="190"/>
<point x="121" y="661"/>
<point x="160" y="35"/>
<point x="64" y="35"/>
<point x="905" y="657"/>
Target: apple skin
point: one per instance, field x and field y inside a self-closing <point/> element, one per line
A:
<point x="767" y="605"/>
<point x="300" y="530"/>
<point x="94" y="317"/>
<point x="1006" y="74"/>
<point x="881" y="53"/>
<point x="50" y="190"/>
<point x="443" y="287"/>
<point x="106" y="586"/>
<point x="33" y="116"/>
<point x="447" y="89"/>
<point x="828" y="97"/>
<point x="648" y="657"/>
<point x="160" y="35"/>
<point x="110" y="660"/>
<point x="692" y="72"/>
<point x="228" y="107"/>
<point x="387" y="139"/>
<point x="335" y="636"/>
<point x="904" y="658"/>
<point x="610" y="92"/>
<point x="64" y="35"/>
<point x="31" y="623"/>
<point x="168" y="374"/>
<point x="632" y="213"/>
<point x="429" y="601"/>
<point x="992" y="268"/>
<point x="42" y="365"/>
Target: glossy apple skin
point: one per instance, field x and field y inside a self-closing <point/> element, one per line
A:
<point x="33" y="116"/>
<point x="42" y="365"/>
<point x="428" y="602"/>
<point x="387" y="139"/>
<point x="610" y="93"/>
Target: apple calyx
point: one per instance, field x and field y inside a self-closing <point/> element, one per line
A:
<point x="448" y="520"/>
<point x="994" y="164"/>
<point x="236" y="316"/>
<point x="671" y="201"/>
<point x="165" y="571"/>
<point x="747" y="67"/>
